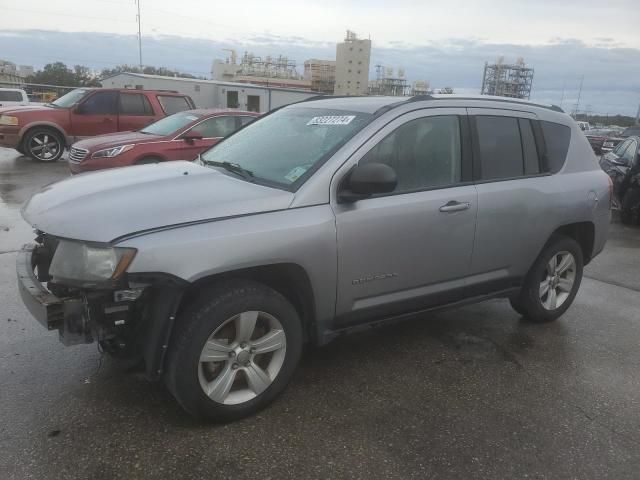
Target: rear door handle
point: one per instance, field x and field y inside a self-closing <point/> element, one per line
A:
<point x="455" y="206"/>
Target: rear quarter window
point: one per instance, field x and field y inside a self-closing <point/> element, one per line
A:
<point x="171" y="104"/>
<point x="556" y="138"/>
<point x="7" y="96"/>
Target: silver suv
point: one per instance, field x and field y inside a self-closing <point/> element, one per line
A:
<point x="321" y="218"/>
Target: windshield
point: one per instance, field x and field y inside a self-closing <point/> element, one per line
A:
<point x="284" y="148"/>
<point x="70" y="98"/>
<point x="170" y="124"/>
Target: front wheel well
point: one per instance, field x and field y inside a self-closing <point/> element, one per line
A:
<point x="51" y="128"/>
<point x="288" y="279"/>
<point x="581" y="232"/>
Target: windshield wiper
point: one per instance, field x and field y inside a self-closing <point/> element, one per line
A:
<point x="231" y="167"/>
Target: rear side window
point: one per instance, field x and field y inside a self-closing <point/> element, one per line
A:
<point x="556" y="138"/>
<point x="172" y="105"/>
<point x="134" y="104"/>
<point x="10" y="96"/>
<point x="500" y="148"/>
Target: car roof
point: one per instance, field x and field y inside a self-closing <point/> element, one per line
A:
<point x="375" y="104"/>
<point x="133" y="90"/>
<point x="219" y="111"/>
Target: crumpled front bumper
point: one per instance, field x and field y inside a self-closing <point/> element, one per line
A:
<point x="52" y="312"/>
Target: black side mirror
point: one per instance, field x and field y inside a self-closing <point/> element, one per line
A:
<point x="192" y="135"/>
<point x="366" y="180"/>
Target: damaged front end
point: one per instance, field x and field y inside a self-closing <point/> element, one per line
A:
<point x="130" y="316"/>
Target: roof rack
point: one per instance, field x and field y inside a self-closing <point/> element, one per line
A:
<point x="421" y="98"/>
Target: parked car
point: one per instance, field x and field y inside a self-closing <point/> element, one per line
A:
<point x="181" y="136"/>
<point x="42" y="132"/>
<point x="623" y="166"/>
<point x="631" y="131"/>
<point x="11" y="97"/>
<point x="603" y="141"/>
<point x="322" y="218"/>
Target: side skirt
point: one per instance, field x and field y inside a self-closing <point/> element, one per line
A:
<point x="330" y="335"/>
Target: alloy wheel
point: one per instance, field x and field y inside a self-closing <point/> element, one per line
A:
<point x="44" y="146"/>
<point x="242" y="357"/>
<point x="558" y="280"/>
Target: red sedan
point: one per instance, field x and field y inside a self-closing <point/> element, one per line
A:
<point x="182" y="136"/>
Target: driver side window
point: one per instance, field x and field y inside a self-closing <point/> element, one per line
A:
<point x="217" y="127"/>
<point x="100" y="103"/>
<point x="424" y="153"/>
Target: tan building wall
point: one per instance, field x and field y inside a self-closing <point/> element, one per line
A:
<point x="352" y="66"/>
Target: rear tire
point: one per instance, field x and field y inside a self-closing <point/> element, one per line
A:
<point x="234" y="350"/>
<point x="20" y="149"/>
<point x="629" y="203"/>
<point x="553" y="281"/>
<point x="43" y="145"/>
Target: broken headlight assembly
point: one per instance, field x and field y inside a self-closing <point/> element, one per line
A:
<point x="87" y="265"/>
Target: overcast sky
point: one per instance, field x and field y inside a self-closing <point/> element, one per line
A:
<point x="445" y="42"/>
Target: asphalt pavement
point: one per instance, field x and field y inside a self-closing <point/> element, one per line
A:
<point x="471" y="393"/>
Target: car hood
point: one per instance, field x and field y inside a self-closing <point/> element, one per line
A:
<point x="104" y="206"/>
<point x="26" y="108"/>
<point x="115" y="139"/>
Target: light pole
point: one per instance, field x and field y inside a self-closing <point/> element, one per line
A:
<point x="139" y="37"/>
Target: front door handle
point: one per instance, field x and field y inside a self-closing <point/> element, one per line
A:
<point x="455" y="206"/>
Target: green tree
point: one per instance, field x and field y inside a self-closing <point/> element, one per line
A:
<point x="147" y="70"/>
<point x="58" y="73"/>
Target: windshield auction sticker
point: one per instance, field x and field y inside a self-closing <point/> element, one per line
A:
<point x="295" y="174"/>
<point x="332" y="120"/>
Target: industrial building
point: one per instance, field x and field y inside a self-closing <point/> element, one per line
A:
<point x="213" y="93"/>
<point x="352" y="65"/>
<point x="277" y="71"/>
<point x="507" y="80"/>
<point x="12" y="73"/>
<point x="321" y="74"/>
<point x="395" y="84"/>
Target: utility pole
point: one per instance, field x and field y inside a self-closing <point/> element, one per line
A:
<point x="139" y="36"/>
<point x="638" y="116"/>
<point x="564" y="84"/>
<point x="579" y="94"/>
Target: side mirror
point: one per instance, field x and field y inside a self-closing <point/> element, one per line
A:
<point x="192" y="135"/>
<point x="618" y="161"/>
<point x="366" y="180"/>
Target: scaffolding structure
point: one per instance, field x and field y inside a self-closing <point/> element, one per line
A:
<point x="507" y="80"/>
<point x="279" y="67"/>
<point x="396" y="85"/>
<point x="321" y="74"/>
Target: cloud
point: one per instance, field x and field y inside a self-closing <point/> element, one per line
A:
<point x="610" y="72"/>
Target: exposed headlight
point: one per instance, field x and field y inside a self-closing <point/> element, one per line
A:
<point x="112" y="152"/>
<point x="8" y="120"/>
<point x="79" y="262"/>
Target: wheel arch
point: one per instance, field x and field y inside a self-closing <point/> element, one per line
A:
<point x="583" y="233"/>
<point x="48" y="125"/>
<point x="147" y="155"/>
<point x="289" y="279"/>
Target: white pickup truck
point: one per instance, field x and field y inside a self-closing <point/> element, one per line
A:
<point x="10" y="97"/>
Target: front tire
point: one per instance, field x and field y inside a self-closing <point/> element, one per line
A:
<point x="43" y="145"/>
<point x="234" y="351"/>
<point x="553" y="282"/>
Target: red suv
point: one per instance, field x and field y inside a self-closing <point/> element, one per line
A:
<point x="42" y="132"/>
<point x="181" y="136"/>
